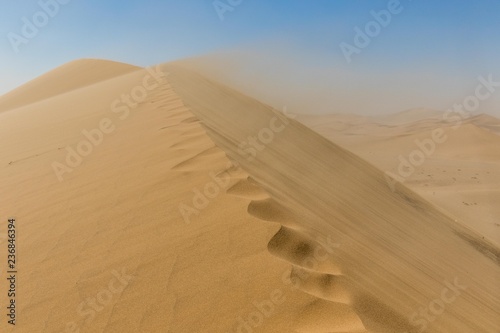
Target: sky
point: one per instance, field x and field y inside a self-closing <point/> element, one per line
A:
<point x="418" y="53"/>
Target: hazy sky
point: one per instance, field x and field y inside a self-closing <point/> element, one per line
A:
<point x="444" y="44"/>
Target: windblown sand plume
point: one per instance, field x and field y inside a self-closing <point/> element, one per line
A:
<point x="144" y="209"/>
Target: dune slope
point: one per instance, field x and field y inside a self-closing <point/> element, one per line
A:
<point x="162" y="225"/>
<point x="461" y="173"/>
<point x="73" y="75"/>
<point x="110" y="248"/>
<point x="397" y="251"/>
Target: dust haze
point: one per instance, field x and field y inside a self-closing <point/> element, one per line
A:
<point x="306" y="83"/>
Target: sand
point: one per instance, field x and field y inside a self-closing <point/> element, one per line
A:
<point x="169" y="225"/>
<point x="460" y="175"/>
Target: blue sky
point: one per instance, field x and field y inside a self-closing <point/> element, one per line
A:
<point x="458" y="39"/>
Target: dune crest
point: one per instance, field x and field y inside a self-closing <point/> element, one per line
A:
<point x="305" y="237"/>
<point x="73" y="75"/>
<point x="390" y="242"/>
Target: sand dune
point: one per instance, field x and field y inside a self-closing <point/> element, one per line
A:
<point x="410" y="117"/>
<point x="201" y="235"/>
<point x="461" y="175"/>
<point x="487" y="122"/>
<point x="350" y="200"/>
<point x="71" y="76"/>
<point x="119" y="210"/>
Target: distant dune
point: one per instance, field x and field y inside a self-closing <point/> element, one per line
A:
<point x="410" y="116"/>
<point x="186" y="206"/>
<point x="71" y="76"/>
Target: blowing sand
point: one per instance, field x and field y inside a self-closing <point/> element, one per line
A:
<point x="167" y="222"/>
<point x="459" y="173"/>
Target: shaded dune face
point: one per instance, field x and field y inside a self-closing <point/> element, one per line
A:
<point x="314" y="270"/>
<point x="458" y="171"/>
<point x="389" y="264"/>
<point x="339" y="307"/>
